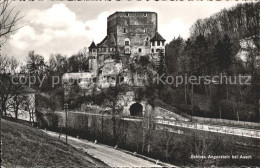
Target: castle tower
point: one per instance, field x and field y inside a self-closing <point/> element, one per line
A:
<point x="157" y="46"/>
<point x="132" y="32"/>
<point x="93" y="65"/>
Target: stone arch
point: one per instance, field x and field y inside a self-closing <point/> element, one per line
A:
<point x="136" y="109"/>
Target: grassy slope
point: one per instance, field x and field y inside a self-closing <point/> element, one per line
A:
<point x="24" y="146"/>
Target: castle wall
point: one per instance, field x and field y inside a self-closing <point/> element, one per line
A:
<point x="138" y="27"/>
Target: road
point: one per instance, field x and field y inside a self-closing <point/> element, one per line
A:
<point x="109" y="155"/>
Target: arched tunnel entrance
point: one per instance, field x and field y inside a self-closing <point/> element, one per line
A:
<point x="136" y="109"/>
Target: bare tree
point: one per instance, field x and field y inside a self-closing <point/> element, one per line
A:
<point x="30" y="107"/>
<point x="8" y="88"/>
<point x="4" y="63"/>
<point x="8" y="65"/>
<point x="8" y="20"/>
<point x="16" y="103"/>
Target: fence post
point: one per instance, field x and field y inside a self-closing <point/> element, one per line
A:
<point x="66" y="120"/>
<point x="102" y="127"/>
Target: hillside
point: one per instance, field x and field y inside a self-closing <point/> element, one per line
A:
<point x="24" y="146"/>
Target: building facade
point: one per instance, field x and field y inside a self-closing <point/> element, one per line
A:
<point x="129" y="34"/>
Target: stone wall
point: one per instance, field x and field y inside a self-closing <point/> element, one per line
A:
<point x="138" y="27"/>
<point x="130" y="133"/>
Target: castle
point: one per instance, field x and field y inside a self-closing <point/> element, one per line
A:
<point x="128" y="34"/>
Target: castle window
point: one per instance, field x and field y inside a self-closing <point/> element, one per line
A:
<point x="127" y="50"/>
<point x="153" y="43"/>
<point x="25" y="108"/>
<point x="158" y="43"/>
<point x="124" y="30"/>
<point x="147" y="41"/>
<point x="127" y="42"/>
<point x="139" y="50"/>
<point x="145" y="14"/>
<point x="163" y="43"/>
<point x="127" y="14"/>
<point x="152" y="50"/>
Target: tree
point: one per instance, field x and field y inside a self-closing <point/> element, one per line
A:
<point x="8" y="91"/>
<point x="8" y="20"/>
<point x="113" y="96"/>
<point x="226" y="60"/>
<point x="161" y="70"/>
<point x="58" y="64"/>
<point x="148" y="120"/>
<point x="35" y="63"/>
<point x="205" y="144"/>
<point x="16" y="102"/>
<point x="173" y="51"/>
<point x="218" y="55"/>
<point x="201" y="58"/>
<point x="8" y="65"/>
<point x="78" y="62"/>
<point x="30" y="107"/>
<point x="8" y="88"/>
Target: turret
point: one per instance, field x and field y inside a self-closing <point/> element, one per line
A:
<point x="157" y="46"/>
<point x="93" y="67"/>
<point x="157" y="43"/>
<point x="92" y="48"/>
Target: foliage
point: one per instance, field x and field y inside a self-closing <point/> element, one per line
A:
<point x="161" y="70"/>
<point x="212" y="50"/>
<point x="173" y="51"/>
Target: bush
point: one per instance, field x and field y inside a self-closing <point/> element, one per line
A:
<point x="53" y="120"/>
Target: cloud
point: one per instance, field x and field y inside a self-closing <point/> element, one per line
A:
<point x="56" y="30"/>
<point x="97" y="28"/>
<point x="174" y="28"/>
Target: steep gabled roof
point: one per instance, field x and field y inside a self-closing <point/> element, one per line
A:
<point x="92" y="45"/>
<point x="103" y="42"/>
<point x="157" y="37"/>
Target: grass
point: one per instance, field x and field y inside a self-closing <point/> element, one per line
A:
<point x="25" y="146"/>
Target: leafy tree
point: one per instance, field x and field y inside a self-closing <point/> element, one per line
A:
<point x="226" y="60"/>
<point x="173" y="51"/>
<point x="78" y="62"/>
<point x="201" y="58"/>
<point x="58" y="64"/>
<point x="35" y="63"/>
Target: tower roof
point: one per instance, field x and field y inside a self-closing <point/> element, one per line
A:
<point x="103" y="42"/>
<point x="92" y="45"/>
<point x="157" y="37"/>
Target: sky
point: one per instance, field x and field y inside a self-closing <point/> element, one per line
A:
<point x="51" y="27"/>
